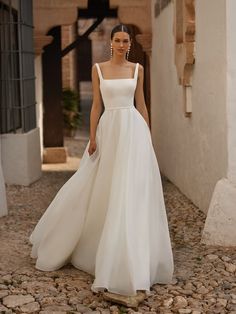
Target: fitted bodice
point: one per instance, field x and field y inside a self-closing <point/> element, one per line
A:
<point x="118" y="93"/>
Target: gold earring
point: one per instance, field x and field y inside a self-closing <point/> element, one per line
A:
<point x="127" y="54"/>
<point x="111" y="51"/>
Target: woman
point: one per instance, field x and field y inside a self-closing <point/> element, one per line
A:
<point x="109" y="219"/>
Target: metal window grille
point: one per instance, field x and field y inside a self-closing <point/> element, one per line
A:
<point x="17" y="79"/>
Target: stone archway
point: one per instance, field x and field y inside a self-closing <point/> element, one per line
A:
<point x="48" y="15"/>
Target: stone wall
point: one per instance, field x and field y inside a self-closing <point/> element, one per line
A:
<point x="68" y="35"/>
<point x="191" y="151"/>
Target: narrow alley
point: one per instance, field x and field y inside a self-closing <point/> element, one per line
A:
<point x="187" y="51"/>
<point x="204" y="276"/>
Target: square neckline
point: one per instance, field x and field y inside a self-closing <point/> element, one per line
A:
<point x="130" y="78"/>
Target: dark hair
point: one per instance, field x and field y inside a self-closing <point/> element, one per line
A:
<point x="120" y="28"/>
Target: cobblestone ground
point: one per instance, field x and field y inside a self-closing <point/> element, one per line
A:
<point x="204" y="276"/>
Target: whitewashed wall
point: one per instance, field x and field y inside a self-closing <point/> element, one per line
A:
<point x="191" y="152"/>
<point x="39" y="98"/>
<point x="21" y="160"/>
<point x="3" y="202"/>
<point x="220" y="226"/>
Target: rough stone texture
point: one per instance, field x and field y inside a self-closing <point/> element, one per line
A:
<point x="17" y="300"/>
<point x="3" y="309"/>
<point x="3" y="294"/>
<point x="30" y="307"/>
<point x="204" y="280"/>
<point x="53" y="155"/>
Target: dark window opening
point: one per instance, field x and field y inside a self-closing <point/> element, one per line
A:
<point x="17" y="79"/>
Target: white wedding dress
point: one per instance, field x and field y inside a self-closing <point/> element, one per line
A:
<point x="109" y="218"/>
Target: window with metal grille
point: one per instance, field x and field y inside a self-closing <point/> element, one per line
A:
<point x="17" y="79"/>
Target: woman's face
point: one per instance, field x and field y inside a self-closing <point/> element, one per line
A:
<point x="120" y="43"/>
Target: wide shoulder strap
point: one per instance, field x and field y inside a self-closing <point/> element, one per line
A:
<point x="136" y="71"/>
<point x="99" y="71"/>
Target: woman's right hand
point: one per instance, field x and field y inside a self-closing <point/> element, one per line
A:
<point x="92" y="147"/>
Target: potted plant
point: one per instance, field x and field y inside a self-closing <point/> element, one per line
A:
<point x="71" y="115"/>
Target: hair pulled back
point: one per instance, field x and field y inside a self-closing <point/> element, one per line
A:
<point x="120" y="28"/>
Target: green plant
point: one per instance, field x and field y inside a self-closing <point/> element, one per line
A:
<point x="71" y="115"/>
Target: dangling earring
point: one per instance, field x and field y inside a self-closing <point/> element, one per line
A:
<point x="111" y="51"/>
<point x="127" y="53"/>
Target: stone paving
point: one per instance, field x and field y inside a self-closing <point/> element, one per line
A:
<point x="205" y="277"/>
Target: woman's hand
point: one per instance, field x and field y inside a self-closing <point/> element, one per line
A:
<point x="92" y="147"/>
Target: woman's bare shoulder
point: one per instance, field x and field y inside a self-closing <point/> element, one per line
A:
<point x="103" y="64"/>
<point x="100" y="64"/>
<point x="140" y="68"/>
<point x="133" y="65"/>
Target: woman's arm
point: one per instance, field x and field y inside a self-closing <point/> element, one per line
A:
<point x="96" y="104"/>
<point x="139" y="96"/>
<point x="95" y="110"/>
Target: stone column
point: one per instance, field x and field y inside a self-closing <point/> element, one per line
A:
<point x="40" y="41"/>
<point x="52" y="92"/>
<point x="3" y="202"/>
<point x="48" y="15"/>
<point x="220" y="226"/>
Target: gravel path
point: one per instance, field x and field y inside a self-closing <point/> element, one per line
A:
<point x="205" y="277"/>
